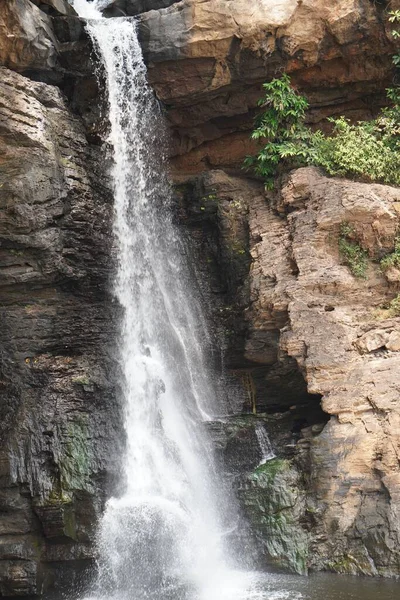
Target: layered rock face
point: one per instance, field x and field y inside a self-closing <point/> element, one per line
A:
<point x="59" y="420"/>
<point x="295" y="326"/>
<point x="330" y="498"/>
<point x="208" y="58"/>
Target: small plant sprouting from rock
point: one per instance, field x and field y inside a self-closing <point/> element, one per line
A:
<point x="394" y="17"/>
<point x="392" y="259"/>
<point x="394" y="306"/>
<point x="351" y="252"/>
<point x="389" y="310"/>
<point x="281" y="125"/>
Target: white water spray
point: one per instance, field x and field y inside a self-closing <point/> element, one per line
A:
<point x="264" y="442"/>
<point x="163" y="538"/>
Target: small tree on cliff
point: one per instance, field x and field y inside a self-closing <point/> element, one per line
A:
<point x="281" y="126"/>
<point x="369" y="150"/>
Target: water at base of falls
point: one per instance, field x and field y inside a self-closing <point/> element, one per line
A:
<point x="164" y="536"/>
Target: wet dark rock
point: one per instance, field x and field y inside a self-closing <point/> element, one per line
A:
<point x="55" y="7"/>
<point x="58" y="406"/>
<point x="131" y="8"/>
<point x="273" y="497"/>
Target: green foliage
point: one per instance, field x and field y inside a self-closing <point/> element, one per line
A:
<point x="281" y="125"/>
<point x="390" y="310"/>
<point x="352" y="253"/>
<point x="394" y="307"/>
<point x="392" y="259"/>
<point x="81" y="380"/>
<point x="368" y="150"/>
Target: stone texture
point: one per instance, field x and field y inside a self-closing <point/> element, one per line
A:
<point x="331" y="314"/>
<point x="273" y="498"/>
<point x="59" y="417"/>
<point x="26" y="37"/>
<point x="208" y="58"/>
<point x="55" y="7"/>
<point x="300" y="301"/>
<point x="131" y="8"/>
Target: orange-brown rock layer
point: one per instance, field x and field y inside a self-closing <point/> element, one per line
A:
<point x="208" y="58"/>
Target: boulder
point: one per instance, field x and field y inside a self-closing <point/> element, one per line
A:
<point x="55" y="7"/>
<point x="27" y="41"/>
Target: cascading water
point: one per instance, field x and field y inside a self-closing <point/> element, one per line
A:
<point x="163" y="537"/>
<point x="267" y="452"/>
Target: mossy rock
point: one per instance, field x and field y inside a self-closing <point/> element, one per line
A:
<point x="274" y="501"/>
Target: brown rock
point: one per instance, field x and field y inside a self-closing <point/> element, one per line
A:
<point x="26" y="37"/>
<point x="328" y="309"/>
<point x="207" y="60"/>
<point x="301" y="302"/>
<point x="393" y="342"/>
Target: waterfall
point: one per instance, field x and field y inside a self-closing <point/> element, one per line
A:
<point x="163" y="536"/>
<point x="267" y="452"/>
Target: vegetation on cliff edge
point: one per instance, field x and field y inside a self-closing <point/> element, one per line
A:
<point x="369" y="150"/>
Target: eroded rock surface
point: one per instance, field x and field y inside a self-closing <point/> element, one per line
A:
<point x="59" y="415"/>
<point x="301" y="302"/>
<point x="208" y="58"/>
<point x="27" y="40"/>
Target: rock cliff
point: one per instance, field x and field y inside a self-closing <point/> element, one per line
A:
<point x="59" y="409"/>
<point x="311" y="350"/>
<point x="208" y="58"/>
<point x="297" y="299"/>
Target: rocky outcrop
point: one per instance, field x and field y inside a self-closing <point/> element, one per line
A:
<point x="59" y="414"/>
<point x="27" y="41"/>
<point x="55" y="7"/>
<point x="208" y="58"/>
<point x="300" y="301"/>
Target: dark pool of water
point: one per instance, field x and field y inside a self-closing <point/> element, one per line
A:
<point x="325" y="586"/>
<point x="263" y="586"/>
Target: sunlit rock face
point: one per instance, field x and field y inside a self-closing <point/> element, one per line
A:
<point x="26" y="37"/>
<point x="288" y="299"/>
<point x="207" y="60"/>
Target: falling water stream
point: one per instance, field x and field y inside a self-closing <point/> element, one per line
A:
<point x="264" y="442"/>
<point x="163" y="537"/>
